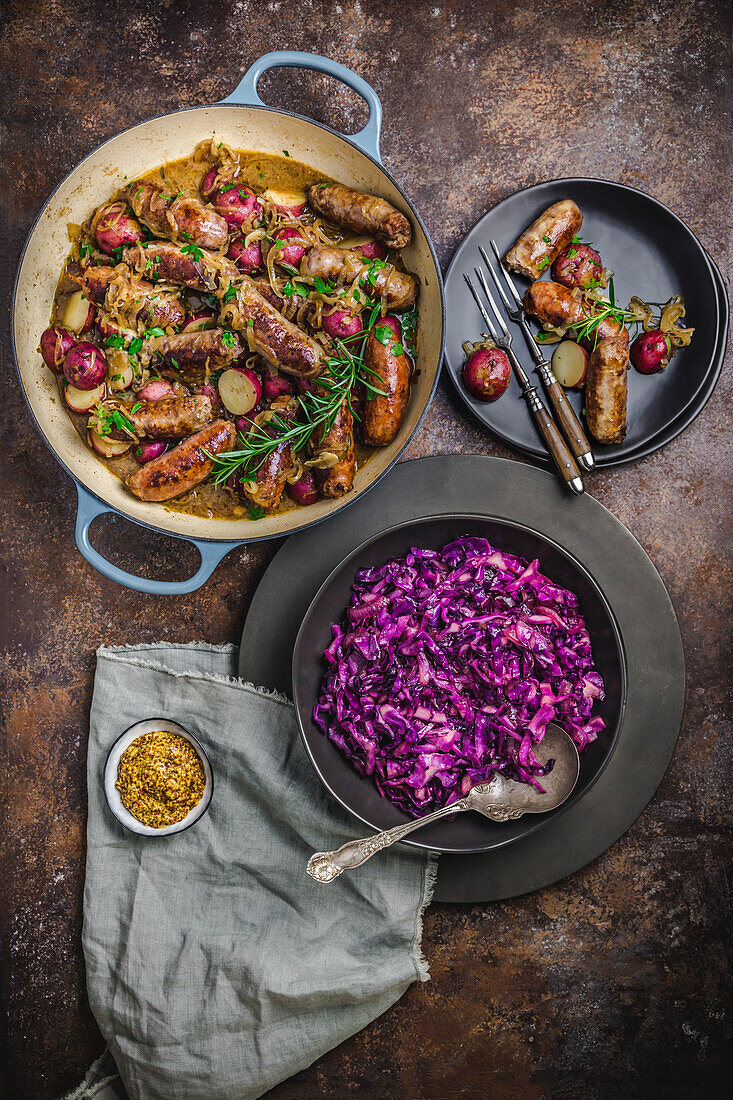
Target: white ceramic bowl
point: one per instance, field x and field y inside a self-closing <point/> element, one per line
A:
<point x="123" y="815"/>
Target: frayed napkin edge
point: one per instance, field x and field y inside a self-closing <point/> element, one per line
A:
<point x="114" y="653"/>
<point x="430" y="876"/>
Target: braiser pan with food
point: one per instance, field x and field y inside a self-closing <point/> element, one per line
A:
<point x="250" y="324"/>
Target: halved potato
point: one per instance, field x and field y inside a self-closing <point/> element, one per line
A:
<point x="83" y="401"/>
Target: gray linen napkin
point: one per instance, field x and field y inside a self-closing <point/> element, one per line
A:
<point x="215" y="966"/>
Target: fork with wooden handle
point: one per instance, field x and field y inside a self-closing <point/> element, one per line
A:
<point x="564" y="411"/>
<point x="561" y="455"/>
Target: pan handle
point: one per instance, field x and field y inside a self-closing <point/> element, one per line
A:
<point x="245" y="94"/>
<point x="88" y="510"/>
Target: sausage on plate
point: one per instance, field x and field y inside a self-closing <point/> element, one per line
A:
<point x="186" y="466"/>
<point x="545" y="239"/>
<point x="163" y="261"/>
<point x="561" y="307"/>
<point x="361" y="212"/>
<point x="177" y="217"/>
<point x="338" y="479"/>
<point x="397" y="289"/>
<point x="281" y="343"/>
<point x="605" y="388"/>
<point x="389" y="371"/>
<point x="168" y="418"/>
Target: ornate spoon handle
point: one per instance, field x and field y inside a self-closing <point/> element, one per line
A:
<point x="326" y="866"/>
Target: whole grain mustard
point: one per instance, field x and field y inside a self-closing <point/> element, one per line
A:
<point x="160" y="778"/>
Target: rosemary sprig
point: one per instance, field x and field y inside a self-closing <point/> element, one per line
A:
<point x="318" y="410"/>
<point x="588" y="328"/>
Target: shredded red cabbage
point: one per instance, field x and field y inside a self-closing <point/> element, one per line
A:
<point x="447" y="668"/>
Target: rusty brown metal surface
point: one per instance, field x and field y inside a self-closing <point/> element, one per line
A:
<point x="613" y="983"/>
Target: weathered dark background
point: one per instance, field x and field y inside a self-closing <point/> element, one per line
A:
<point x="614" y="982"/>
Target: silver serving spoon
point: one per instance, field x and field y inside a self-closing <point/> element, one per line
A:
<point x="501" y="800"/>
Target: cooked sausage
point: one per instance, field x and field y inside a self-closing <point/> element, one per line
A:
<point x="195" y="353"/>
<point x="186" y="466"/>
<point x="545" y="239"/>
<point x="361" y="212"/>
<point x="135" y="301"/>
<point x="605" y="388"/>
<point x="287" y="306"/>
<point x="338" y="479"/>
<point x="281" y="343"/>
<point x="169" y="418"/>
<point x="397" y="289"/>
<point x="384" y="413"/>
<point x="558" y="305"/>
<point x="266" y="489"/>
<point x="163" y="261"/>
<point x="177" y="217"/>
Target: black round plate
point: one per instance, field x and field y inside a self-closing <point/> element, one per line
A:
<point x="634" y="590"/>
<point x="652" y="253"/>
<point x="357" y="793"/>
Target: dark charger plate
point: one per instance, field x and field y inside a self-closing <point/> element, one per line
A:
<point x="653" y="255"/>
<point x="650" y="637"/>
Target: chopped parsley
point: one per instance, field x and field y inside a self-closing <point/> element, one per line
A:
<point x="255" y="512"/>
<point x="546" y="239"/>
<point x="150" y="332"/>
<point x="229" y="294"/>
<point x="136" y="406"/>
<point x="544" y="262"/>
<point x="193" y="251"/>
<point x="322" y="286"/>
<point x="228" y="338"/>
<point x="286" y="153"/>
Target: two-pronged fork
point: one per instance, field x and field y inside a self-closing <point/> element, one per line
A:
<point x="564" y="412"/>
<point x="546" y="426"/>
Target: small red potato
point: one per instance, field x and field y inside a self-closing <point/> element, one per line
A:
<point x="199" y="322"/>
<point x="85" y="366"/>
<point x="275" y="384"/>
<point x="371" y="250"/>
<point x="79" y="313"/>
<point x="107" y="447"/>
<point x="340" y="324"/>
<point x="117" y="228"/>
<point x="56" y="343"/>
<point x="570" y="363"/>
<point x="305" y="490"/>
<point x="240" y="390"/>
<point x="208" y="183"/>
<point x="578" y="265"/>
<point x="83" y="401"/>
<point x="248" y="259"/>
<point x="156" y="389"/>
<point x="290" y="253"/>
<point x="486" y="373"/>
<point x="237" y="205"/>
<point x="146" y="452"/>
<point x="650" y="352"/>
<point x="290" y="203"/>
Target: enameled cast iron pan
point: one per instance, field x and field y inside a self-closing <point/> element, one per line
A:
<point x="244" y="122"/>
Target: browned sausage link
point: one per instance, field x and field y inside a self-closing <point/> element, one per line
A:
<point x="361" y="212"/>
<point x="94" y="282"/>
<point x="185" y="466"/>
<point x="338" y="440"/>
<point x="168" y="263"/>
<point x="384" y="413"/>
<point x="136" y="299"/>
<point x="177" y="217"/>
<point x="558" y="305"/>
<point x="270" y="479"/>
<point x="169" y="418"/>
<point x="545" y="239"/>
<point x="605" y="389"/>
<point x="281" y="343"/>
<point x="192" y="353"/>
<point x="397" y="289"/>
<point x="287" y="306"/>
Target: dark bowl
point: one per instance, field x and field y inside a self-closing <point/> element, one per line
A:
<point x="466" y="832"/>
